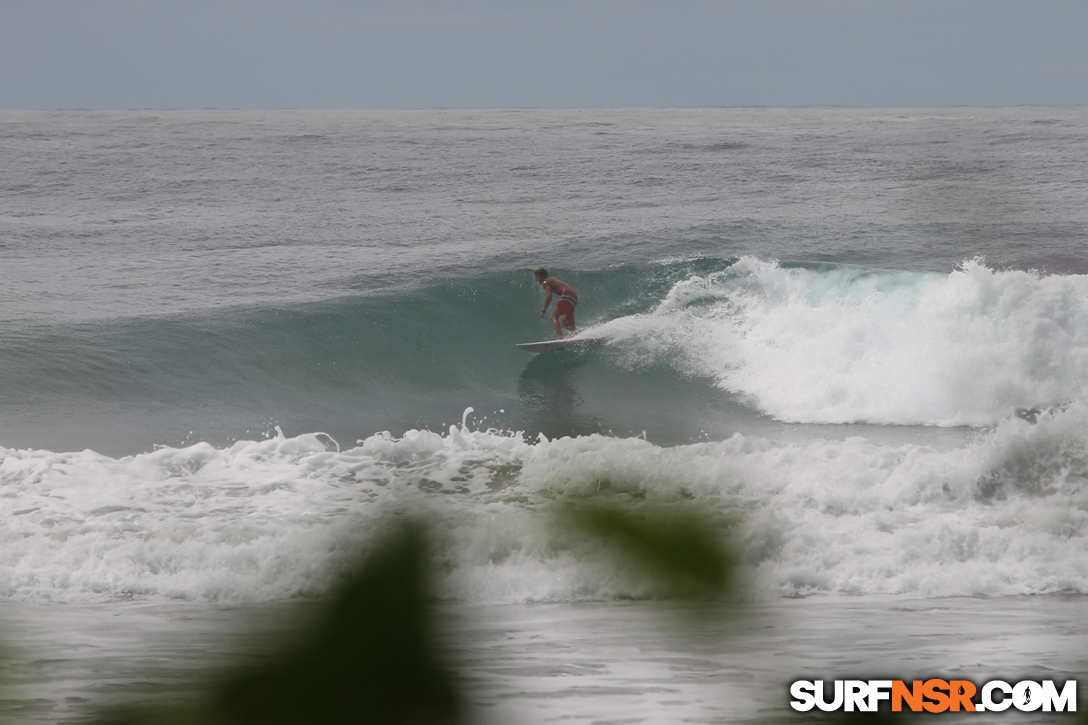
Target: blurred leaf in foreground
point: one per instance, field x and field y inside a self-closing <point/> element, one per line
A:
<point x="683" y="552"/>
<point x="371" y="657"/>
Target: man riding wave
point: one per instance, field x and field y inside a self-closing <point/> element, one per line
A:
<point x="563" y="315"/>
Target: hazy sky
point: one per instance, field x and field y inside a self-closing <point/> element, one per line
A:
<point x="540" y="53"/>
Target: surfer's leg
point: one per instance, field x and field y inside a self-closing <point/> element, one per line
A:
<point x="555" y="323"/>
<point x="563" y="317"/>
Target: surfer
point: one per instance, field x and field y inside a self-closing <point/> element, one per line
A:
<point x="563" y="315"/>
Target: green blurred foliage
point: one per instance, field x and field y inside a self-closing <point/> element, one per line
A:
<point x="686" y="554"/>
<point x="372" y="656"/>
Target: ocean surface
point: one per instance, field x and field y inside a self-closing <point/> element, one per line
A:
<point x="234" y="343"/>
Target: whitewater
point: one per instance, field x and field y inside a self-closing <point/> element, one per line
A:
<point x="235" y="345"/>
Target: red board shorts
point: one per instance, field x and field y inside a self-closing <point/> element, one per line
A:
<point x="565" y="307"/>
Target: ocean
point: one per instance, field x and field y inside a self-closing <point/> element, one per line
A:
<point x="234" y="343"/>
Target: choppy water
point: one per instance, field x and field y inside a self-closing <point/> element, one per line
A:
<point x="232" y="342"/>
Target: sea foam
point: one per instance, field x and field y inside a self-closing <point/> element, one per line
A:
<point x="838" y="344"/>
<point x="1005" y="514"/>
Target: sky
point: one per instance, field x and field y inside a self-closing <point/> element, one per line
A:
<point x="120" y="54"/>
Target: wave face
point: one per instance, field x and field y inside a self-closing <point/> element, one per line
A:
<point x="406" y="358"/>
<point x="696" y="349"/>
<point x="270" y="519"/>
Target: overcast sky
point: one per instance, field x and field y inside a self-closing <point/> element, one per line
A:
<point x="540" y="53"/>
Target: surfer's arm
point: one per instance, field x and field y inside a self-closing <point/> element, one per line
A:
<point x="547" y="302"/>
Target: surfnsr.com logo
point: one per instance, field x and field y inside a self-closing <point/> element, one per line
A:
<point x="934" y="696"/>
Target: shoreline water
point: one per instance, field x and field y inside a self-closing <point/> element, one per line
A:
<point x="652" y="662"/>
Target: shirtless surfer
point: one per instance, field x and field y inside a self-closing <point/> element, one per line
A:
<point x="563" y="315"/>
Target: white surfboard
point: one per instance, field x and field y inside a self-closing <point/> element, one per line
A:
<point x="548" y="345"/>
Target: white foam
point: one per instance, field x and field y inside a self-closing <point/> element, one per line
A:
<point x="843" y="345"/>
<point x="1006" y="514"/>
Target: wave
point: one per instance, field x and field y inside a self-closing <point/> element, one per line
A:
<point x="820" y="343"/>
<point x="272" y="519"/>
<point x="696" y="349"/>
<point x="396" y="360"/>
